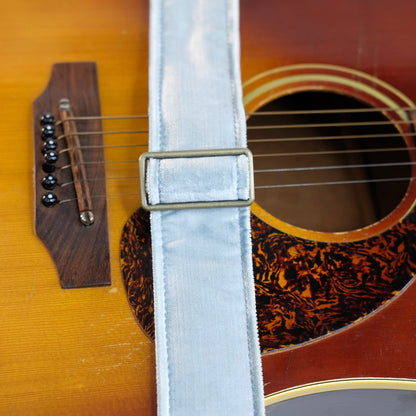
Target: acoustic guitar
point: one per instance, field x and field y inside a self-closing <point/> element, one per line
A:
<point x="329" y="92"/>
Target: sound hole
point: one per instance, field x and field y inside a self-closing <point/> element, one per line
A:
<point x="322" y="170"/>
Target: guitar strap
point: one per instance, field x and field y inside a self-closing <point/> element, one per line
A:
<point x="207" y="351"/>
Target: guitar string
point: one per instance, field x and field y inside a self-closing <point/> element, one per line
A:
<point x="274" y="170"/>
<point x="92" y="133"/>
<point x="332" y="111"/>
<point x="263" y="127"/>
<point x="334" y="167"/>
<point x="336" y="152"/>
<point x="347" y="182"/>
<point x="285" y="154"/>
<point x="319" y="138"/>
<point x="262" y="140"/>
<point x="108" y="146"/>
<point x="312" y="125"/>
<point x="257" y="113"/>
<point x="91" y="118"/>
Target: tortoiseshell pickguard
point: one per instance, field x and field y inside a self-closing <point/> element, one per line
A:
<point x="304" y="289"/>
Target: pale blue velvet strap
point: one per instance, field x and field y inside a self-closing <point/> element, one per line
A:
<point x="208" y="360"/>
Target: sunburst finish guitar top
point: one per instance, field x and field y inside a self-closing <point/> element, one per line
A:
<point x="334" y="265"/>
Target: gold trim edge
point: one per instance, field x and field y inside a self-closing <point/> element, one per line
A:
<point x="341" y="384"/>
<point x="340" y="79"/>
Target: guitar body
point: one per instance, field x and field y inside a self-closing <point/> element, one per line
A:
<point x="81" y="351"/>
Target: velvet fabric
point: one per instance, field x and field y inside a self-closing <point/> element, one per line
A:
<point x="208" y="360"/>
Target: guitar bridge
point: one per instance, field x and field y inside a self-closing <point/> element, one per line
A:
<point x="69" y="175"/>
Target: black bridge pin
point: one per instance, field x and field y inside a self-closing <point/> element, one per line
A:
<point x="48" y="167"/>
<point x="49" y="182"/>
<point x="50" y="144"/>
<point x="47" y="118"/>
<point x="48" y="131"/>
<point x="49" y="199"/>
<point x="51" y="157"/>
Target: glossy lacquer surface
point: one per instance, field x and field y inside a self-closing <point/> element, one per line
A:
<point x="81" y="351"/>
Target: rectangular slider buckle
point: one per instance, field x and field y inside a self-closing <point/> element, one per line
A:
<point x="225" y="203"/>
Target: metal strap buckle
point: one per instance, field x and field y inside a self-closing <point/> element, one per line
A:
<point x="144" y="158"/>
